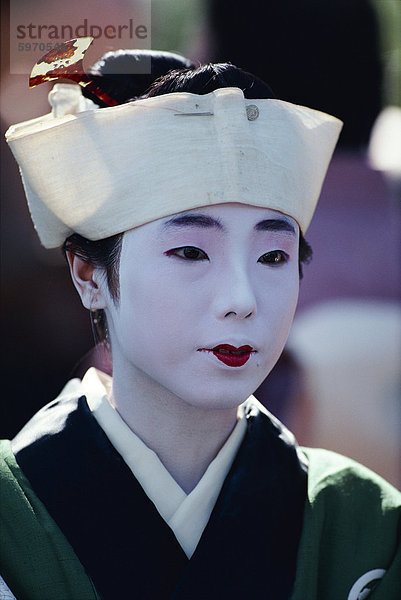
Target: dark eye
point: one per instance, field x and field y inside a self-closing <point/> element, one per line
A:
<point x="273" y="258"/>
<point x="188" y="253"/>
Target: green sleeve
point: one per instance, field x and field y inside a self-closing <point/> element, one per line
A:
<point x="36" y="560"/>
<point x="351" y="531"/>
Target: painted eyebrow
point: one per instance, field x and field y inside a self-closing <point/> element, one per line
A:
<point x="275" y="225"/>
<point x="194" y="220"/>
<point x="206" y="222"/>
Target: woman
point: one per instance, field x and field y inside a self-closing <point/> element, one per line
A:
<point x="184" y="235"/>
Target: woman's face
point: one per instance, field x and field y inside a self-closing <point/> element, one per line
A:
<point x="207" y="298"/>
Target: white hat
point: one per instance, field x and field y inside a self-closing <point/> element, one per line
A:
<point x="104" y="171"/>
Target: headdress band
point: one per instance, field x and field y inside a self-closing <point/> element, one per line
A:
<point x="104" y="171"/>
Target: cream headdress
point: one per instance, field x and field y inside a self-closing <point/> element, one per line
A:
<point x="98" y="172"/>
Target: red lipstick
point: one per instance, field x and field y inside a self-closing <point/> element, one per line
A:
<point x="230" y="355"/>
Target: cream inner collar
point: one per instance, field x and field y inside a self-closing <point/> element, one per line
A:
<point x="186" y="514"/>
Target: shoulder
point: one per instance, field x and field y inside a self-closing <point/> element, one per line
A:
<point x="333" y="477"/>
<point x="351" y="532"/>
<point x="36" y="560"/>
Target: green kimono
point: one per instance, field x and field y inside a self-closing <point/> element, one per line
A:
<point x="348" y="547"/>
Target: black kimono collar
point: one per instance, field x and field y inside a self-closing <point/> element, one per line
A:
<point x="248" y="548"/>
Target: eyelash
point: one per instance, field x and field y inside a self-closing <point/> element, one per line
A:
<point x="273" y="258"/>
<point x="201" y="255"/>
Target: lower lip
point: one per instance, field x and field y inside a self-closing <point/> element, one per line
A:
<point x="233" y="360"/>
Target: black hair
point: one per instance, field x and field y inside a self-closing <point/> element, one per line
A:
<point x="116" y="73"/>
<point x="126" y="75"/>
<point x="208" y="78"/>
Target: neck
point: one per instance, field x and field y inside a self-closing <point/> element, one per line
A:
<point x="186" y="438"/>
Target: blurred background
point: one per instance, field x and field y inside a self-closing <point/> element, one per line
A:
<point x="337" y="384"/>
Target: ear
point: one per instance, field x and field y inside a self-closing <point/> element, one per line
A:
<point x="86" y="279"/>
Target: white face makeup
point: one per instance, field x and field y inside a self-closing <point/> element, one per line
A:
<point x="223" y="277"/>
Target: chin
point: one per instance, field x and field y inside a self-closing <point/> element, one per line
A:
<point x="221" y="391"/>
<point x="220" y="397"/>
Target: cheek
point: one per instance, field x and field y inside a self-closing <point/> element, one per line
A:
<point x="277" y="305"/>
<point x="155" y="314"/>
<point x="287" y="297"/>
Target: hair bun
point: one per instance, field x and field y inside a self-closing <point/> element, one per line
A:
<point x="127" y="74"/>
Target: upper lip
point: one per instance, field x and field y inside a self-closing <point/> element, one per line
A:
<point x="230" y="348"/>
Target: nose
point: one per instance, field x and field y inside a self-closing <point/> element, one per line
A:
<point x="234" y="297"/>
